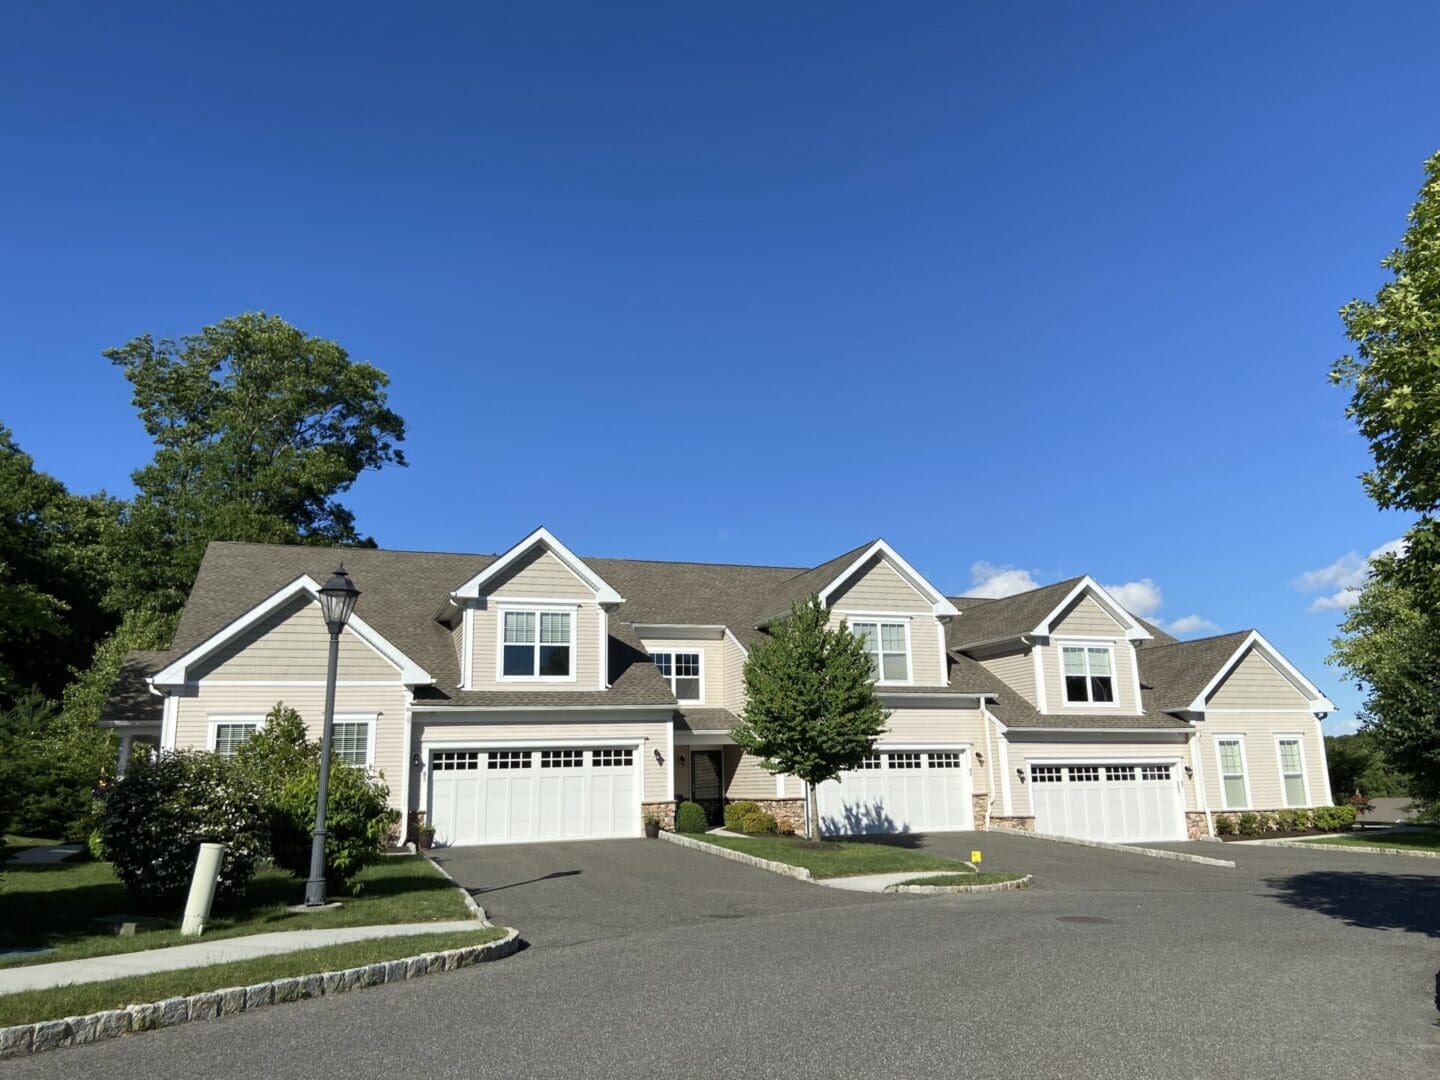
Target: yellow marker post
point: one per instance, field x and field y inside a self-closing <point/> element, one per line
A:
<point x="974" y="856"/>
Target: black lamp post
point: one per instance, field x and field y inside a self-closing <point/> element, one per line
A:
<point x="337" y="601"/>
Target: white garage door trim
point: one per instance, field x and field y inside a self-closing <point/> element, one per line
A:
<point x="910" y="799"/>
<point x="539" y="826"/>
<point x="1127" y="808"/>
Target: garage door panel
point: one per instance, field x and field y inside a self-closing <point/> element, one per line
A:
<point x="900" y="791"/>
<point x="1115" y="803"/>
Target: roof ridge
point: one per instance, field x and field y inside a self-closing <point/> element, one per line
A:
<point x="1025" y="592"/>
<point x="1196" y="641"/>
<point x="837" y="558"/>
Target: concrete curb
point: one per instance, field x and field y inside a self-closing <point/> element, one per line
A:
<point x="218" y="1004"/>
<point x="1344" y="849"/>
<point x="1154" y="853"/>
<point x="739" y="856"/>
<point x="470" y="902"/>
<point x="946" y="890"/>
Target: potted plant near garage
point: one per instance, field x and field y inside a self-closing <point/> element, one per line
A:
<point x="652" y="825"/>
<point x="426" y="833"/>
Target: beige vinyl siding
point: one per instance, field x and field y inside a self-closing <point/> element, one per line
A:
<point x="457" y="640"/>
<point x="1124" y="677"/>
<point x="659" y="781"/>
<point x="1254" y="683"/>
<point x="197" y="705"/>
<point x="541" y="574"/>
<point x="487" y="657"/>
<point x="878" y="587"/>
<point x="712" y="664"/>
<point x="1087" y="616"/>
<point x="1258" y="732"/>
<point x="1016" y="670"/>
<point x="939" y="728"/>
<point x="681" y="773"/>
<point x="745" y="777"/>
<point x="293" y="644"/>
<point x="1022" y="751"/>
<point x="733" y="696"/>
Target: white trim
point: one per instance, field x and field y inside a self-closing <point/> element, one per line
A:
<point x="672" y="652"/>
<point x="680" y="631"/>
<point x="603" y="592"/>
<point x="1237" y="737"/>
<point x="467" y="665"/>
<point x="662" y="712"/>
<point x="1324" y="761"/>
<point x="1002" y="749"/>
<point x="174" y="673"/>
<point x="1299" y="741"/>
<point x="405" y="767"/>
<point x="536" y="601"/>
<point x="1105" y="731"/>
<point x="880" y="622"/>
<point x="603" y="667"/>
<point x="540" y="609"/>
<point x="1042" y="699"/>
<point x="743" y="651"/>
<point x="1296" y="713"/>
<point x="939" y="605"/>
<point x="1134" y="631"/>
<point x="169" y="716"/>
<point x="1318" y="701"/>
<point x="1135" y="678"/>
<point x="1117" y="759"/>
<point x="1086" y="644"/>
<point x="215" y="684"/>
<point x="635" y="743"/>
<point x="779" y="785"/>
<point x="931" y="744"/>
<point x="214" y="721"/>
<point x="370" y="720"/>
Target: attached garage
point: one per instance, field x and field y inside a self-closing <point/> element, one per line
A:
<point x="1117" y="802"/>
<point x="511" y="796"/>
<point x="900" y="791"/>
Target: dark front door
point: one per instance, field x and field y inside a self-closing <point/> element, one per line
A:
<point x="705" y="786"/>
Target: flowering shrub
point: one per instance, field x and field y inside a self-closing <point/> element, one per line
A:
<point x="161" y="811"/>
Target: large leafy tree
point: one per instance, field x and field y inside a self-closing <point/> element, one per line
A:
<point x="1357" y="764"/>
<point x="811" y="709"/>
<point x="258" y="428"/>
<point x="1390" y="640"/>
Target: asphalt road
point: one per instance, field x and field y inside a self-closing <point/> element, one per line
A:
<point x="649" y="960"/>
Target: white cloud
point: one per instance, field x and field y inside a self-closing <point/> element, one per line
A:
<point x="1343" y="578"/>
<point x="1189" y="624"/>
<point x="994" y="581"/>
<point x="1142" y="598"/>
<point x="1340" y="724"/>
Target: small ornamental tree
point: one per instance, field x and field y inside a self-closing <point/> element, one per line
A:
<point x="810" y="709"/>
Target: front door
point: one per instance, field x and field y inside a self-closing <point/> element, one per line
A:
<point x="705" y="784"/>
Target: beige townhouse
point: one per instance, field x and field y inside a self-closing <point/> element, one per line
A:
<point x="535" y="695"/>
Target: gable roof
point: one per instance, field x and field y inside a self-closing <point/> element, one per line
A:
<point x="131" y="701"/>
<point x="540" y="538"/>
<point x="1177" y="672"/>
<point x="983" y="620"/>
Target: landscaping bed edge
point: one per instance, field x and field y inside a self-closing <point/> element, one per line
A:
<point x="739" y="856"/>
<point x="944" y="890"/>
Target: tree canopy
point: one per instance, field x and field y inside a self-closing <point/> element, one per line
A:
<point x="811" y="709"/>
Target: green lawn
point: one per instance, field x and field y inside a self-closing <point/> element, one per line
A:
<point x="53" y="905"/>
<point x="841" y="858"/>
<point x="963" y="879"/>
<point x="32" y="1005"/>
<point x="1416" y="840"/>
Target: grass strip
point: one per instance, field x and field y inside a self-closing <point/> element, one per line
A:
<point x="840" y="858"/>
<point x="30" y="1006"/>
<point x="963" y="879"/>
<point x="1420" y="840"/>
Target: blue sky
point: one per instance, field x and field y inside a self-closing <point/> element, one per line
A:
<point x="1030" y="290"/>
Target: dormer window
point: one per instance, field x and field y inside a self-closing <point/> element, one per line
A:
<point x="1089" y="674"/>
<point x="538" y="645"/>
<point x="888" y="646"/>
<point x="682" y="671"/>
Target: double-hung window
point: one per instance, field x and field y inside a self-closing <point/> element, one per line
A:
<point x="682" y="671"/>
<point x="538" y="644"/>
<point x="350" y="741"/>
<point x="1234" y="789"/>
<point x="888" y="646"/>
<point x="231" y="735"/>
<point x="1292" y="770"/>
<point x="1089" y="674"/>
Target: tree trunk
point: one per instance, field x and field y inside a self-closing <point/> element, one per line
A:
<point x="812" y="815"/>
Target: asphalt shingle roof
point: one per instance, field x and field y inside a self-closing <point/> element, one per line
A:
<point x="985" y="620"/>
<point x="131" y="701"/>
<point x="1177" y="672"/>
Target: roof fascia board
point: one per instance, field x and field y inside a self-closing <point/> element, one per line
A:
<point x="1318" y="701"/>
<point x="939" y="603"/>
<point x="1134" y="631"/>
<point x="604" y="593"/>
<point x="174" y="674"/>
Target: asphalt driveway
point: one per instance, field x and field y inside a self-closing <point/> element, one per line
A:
<point x="1117" y="966"/>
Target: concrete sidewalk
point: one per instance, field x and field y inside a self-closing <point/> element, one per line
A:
<point x="204" y="953"/>
<point x="880" y="882"/>
<point x="52" y="855"/>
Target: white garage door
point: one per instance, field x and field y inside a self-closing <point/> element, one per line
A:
<point x="511" y="796"/>
<point x="1119" y="803"/>
<point x="900" y="791"/>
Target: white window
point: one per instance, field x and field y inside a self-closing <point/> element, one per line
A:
<point x="231" y="734"/>
<point x="350" y="741"/>
<point x="903" y="761"/>
<point x="1155" y="772"/>
<point x="537" y="645"/>
<point x="508" y="759"/>
<point x="888" y="646"/>
<point x="869" y="761"/>
<point x="1292" y="770"/>
<point x="612" y="759"/>
<point x="682" y="671"/>
<point x="1234" y="790"/>
<point x="562" y="759"/>
<point x="1047" y="774"/>
<point x="447" y="760"/>
<point x="945" y="761"/>
<point x="1089" y="674"/>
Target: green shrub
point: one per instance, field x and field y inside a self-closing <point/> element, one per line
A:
<point x="285" y="767"/>
<point x="157" y="816"/>
<point x="1345" y="817"/>
<point x="1303" y="818"/>
<point x="1249" y="823"/>
<point x="1268" y="822"/>
<point x="735" y="811"/>
<point x="758" y="821"/>
<point x="1225" y="825"/>
<point x="1334" y="818"/>
<point x="1286" y="820"/>
<point x="690" y="817"/>
<point x="96" y="844"/>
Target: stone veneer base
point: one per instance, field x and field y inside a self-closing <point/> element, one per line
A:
<point x="218" y="1004"/>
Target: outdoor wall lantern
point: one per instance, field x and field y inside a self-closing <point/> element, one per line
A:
<point x="415" y="761"/>
<point x="1020" y="772"/>
<point x="980" y="758"/>
<point x="659" y="757"/>
<point x="682" y="758"/>
<point x="1189" y="772"/>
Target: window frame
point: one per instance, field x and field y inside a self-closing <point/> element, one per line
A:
<point x="699" y="654"/>
<point x="1299" y="741"/>
<point x="1238" y="739"/>
<point x="216" y="721"/>
<point x="880" y="620"/>
<point x="368" y="720"/>
<point x="572" y="611"/>
<point x="1061" y="644"/>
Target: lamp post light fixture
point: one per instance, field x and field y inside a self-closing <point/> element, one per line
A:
<point x="337" y="602"/>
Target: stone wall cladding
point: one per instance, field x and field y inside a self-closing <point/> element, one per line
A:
<point x="1196" y="827"/>
<point x="218" y="1004"/>
<point x="979" y="803"/>
<point x="789" y="813"/>
<point x="665" y="810"/>
<point x="1020" y="824"/>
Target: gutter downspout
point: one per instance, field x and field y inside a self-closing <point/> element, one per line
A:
<point x="990" y="756"/>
